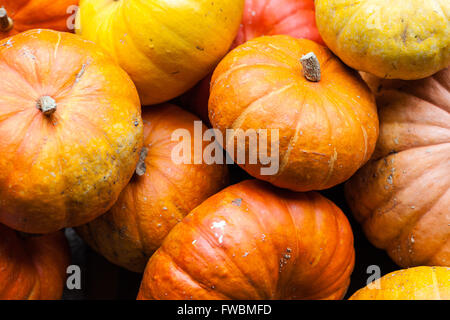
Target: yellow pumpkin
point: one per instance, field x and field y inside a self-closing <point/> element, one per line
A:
<point x="406" y="40"/>
<point x="420" y="283"/>
<point x="165" y="46"/>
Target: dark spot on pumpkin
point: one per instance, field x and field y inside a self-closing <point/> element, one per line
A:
<point x="200" y="48"/>
<point x="237" y="202"/>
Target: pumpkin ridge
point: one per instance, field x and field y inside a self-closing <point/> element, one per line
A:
<point x="138" y="223"/>
<point x="435" y="283"/>
<point x="337" y="236"/>
<point x="363" y="218"/>
<point x="31" y="90"/>
<point x="400" y="151"/>
<point x="225" y="75"/>
<point x="349" y="19"/>
<point x="442" y="247"/>
<point x="294" y="138"/>
<point x="275" y="291"/>
<point x="409" y="228"/>
<point x="130" y="40"/>
<point x="334" y="157"/>
<point x="178" y="36"/>
<point x="37" y="283"/>
<point x="239" y="194"/>
<point x="282" y="19"/>
<point x="194" y="280"/>
<point x="419" y="215"/>
<point x="25" y="128"/>
<point x="176" y="187"/>
<point x="59" y="143"/>
<point x="239" y="121"/>
<point x="348" y="108"/>
<point x="409" y="93"/>
<point x="297" y="239"/>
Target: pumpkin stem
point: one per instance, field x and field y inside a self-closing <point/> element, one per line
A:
<point x="6" y="22"/>
<point x="311" y="67"/>
<point x="47" y="105"/>
<point x="141" y="166"/>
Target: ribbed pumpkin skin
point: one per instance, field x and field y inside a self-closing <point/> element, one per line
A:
<point x="327" y="129"/>
<point x="33" y="14"/>
<point x="401" y="197"/>
<point x="67" y="168"/>
<point x="151" y="205"/>
<point x="32" y="268"/>
<point x="391" y="39"/>
<point x="182" y="42"/>
<point x="420" y="283"/>
<point x="254" y="241"/>
<point x="295" y="18"/>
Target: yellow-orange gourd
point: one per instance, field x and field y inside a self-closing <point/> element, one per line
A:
<point x="420" y="283"/>
<point x="165" y="46"/>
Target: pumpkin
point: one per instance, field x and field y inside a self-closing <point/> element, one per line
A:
<point x="318" y="113"/>
<point x="271" y="17"/>
<point x="401" y="197"/>
<point x="20" y="15"/>
<point x="32" y="268"/>
<point x="390" y="39"/>
<point x="420" y="283"/>
<point x="71" y="131"/>
<point x="182" y="42"/>
<point x="153" y="203"/>
<point x="254" y="241"/>
<point x="261" y="17"/>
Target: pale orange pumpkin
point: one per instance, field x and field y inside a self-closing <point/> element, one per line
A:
<point x="254" y="241"/>
<point x="154" y="202"/>
<point x="402" y="196"/>
<point x="71" y="131"/>
<point x="32" y="268"/>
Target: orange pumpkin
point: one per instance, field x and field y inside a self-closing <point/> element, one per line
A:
<point x="254" y="241"/>
<point x="420" y="283"/>
<point x="21" y="15"/>
<point x="261" y="17"/>
<point x="71" y="131"/>
<point x="32" y="268"/>
<point x="325" y="114"/>
<point x="402" y="196"/>
<point x="153" y="203"/>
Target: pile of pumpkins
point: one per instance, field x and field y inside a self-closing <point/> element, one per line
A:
<point x="359" y="92"/>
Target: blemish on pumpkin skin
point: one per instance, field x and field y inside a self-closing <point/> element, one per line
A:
<point x="237" y="202"/>
<point x="7" y="44"/>
<point x="28" y="53"/>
